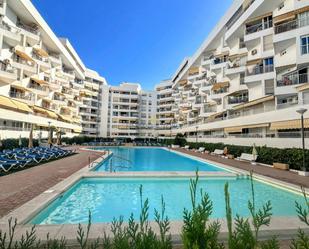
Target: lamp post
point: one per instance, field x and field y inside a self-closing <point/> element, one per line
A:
<point x="196" y="136"/>
<point x="301" y="112"/>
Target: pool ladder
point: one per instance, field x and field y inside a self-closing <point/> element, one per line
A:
<point x="113" y="168"/>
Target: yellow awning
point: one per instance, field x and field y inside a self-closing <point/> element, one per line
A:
<point x="233" y="129"/>
<point x="23" y="55"/>
<point x="254" y="102"/>
<point x="254" y="62"/>
<point x="290" y="15"/>
<point x="183" y="82"/>
<point x="213" y="116"/>
<point x="78" y="130"/>
<point x="239" y="128"/>
<point x="47" y="112"/>
<point x="302" y="87"/>
<point x="51" y="114"/>
<point x="66" y="118"/>
<point x="20" y="87"/>
<point x="40" y="82"/>
<point x="21" y="106"/>
<point x="235" y="56"/>
<point x="7" y="103"/>
<point x="41" y="52"/>
<point x="220" y="85"/>
<point x="194" y="70"/>
<point x="288" y="125"/>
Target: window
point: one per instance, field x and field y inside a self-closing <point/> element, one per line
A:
<point x="304" y="44"/>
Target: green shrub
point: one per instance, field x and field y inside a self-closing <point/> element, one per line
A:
<point x="266" y="155"/>
<point x="180" y="140"/>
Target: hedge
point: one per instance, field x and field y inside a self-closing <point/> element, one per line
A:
<point x="266" y="155"/>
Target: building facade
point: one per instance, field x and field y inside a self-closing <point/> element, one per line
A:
<point x="248" y="78"/>
<point x="131" y="112"/>
<point x="42" y="79"/>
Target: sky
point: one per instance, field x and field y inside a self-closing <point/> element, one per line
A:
<point x="141" y="41"/>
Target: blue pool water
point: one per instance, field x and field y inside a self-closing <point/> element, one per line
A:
<point x="108" y="198"/>
<point x="151" y="159"/>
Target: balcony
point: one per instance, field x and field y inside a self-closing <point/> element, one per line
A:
<point x="232" y="100"/>
<point x="7" y="73"/>
<point x="294" y="79"/>
<point x="10" y="32"/>
<point x="261" y="69"/>
<point x="291" y="25"/>
<point x="258" y="27"/>
<point x="31" y="31"/>
<point x="25" y="97"/>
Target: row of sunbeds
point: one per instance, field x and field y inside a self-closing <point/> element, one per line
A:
<point x="243" y="157"/>
<point x="147" y="144"/>
<point x="20" y="158"/>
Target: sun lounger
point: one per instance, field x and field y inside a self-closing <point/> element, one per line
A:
<point x="201" y="150"/>
<point x="218" y="152"/>
<point x="187" y="147"/>
<point x="247" y="157"/>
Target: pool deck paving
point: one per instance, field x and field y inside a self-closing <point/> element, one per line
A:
<point x="282" y="175"/>
<point x="22" y="186"/>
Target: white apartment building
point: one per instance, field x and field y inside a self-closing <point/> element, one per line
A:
<point x="131" y="112"/>
<point x="165" y="104"/>
<point x="42" y="79"/>
<point x="246" y="81"/>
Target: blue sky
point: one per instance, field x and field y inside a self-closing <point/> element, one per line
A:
<point x="140" y="41"/>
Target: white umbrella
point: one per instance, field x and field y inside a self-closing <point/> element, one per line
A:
<point x="19" y="141"/>
<point x="254" y="152"/>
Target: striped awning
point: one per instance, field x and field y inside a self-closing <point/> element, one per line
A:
<point x="20" y="87"/>
<point x="66" y="118"/>
<point x="220" y="85"/>
<point x="47" y="112"/>
<point x="254" y="62"/>
<point x="254" y="102"/>
<point x="290" y="15"/>
<point x="240" y="128"/>
<point x="22" y="106"/>
<point x="6" y="102"/>
<point x="194" y="70"/>
<point x="23" y="55"/>
<point x="235" y="56"/>
<point x="41" y="52"/>
<point x="40" y="82"/>
<point x="288" y="125"/>
<point x="183" y="82"/>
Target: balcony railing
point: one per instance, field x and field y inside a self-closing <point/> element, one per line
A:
<point x="33" y="30"/>
<point x="293" y="79"/>
<point x="237" y="100"/>
<point x="291" y="25"/>
<point x="23" y="96"/>
<point x="260" y="70"/>
<point x="258" y="27"/>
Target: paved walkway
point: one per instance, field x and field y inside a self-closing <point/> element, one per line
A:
<point x="20" y="187"/>
<point x="282" y="175"/>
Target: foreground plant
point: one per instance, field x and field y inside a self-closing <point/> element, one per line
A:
<point x="197" y="231"/>
<point x="302" y="240"/>
<point x="242" y="236"/>
<point x="140" y="235"/>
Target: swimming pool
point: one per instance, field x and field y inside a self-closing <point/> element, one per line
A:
<point x="111" y="197"/>
<point x="151" y="159"/>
